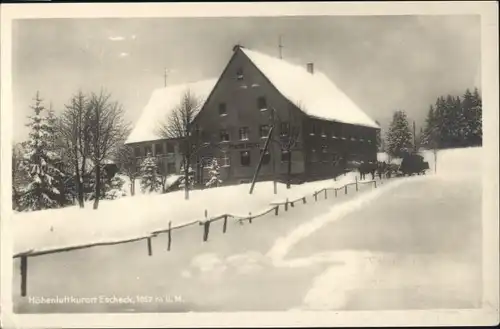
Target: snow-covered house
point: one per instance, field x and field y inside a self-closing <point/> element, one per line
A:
<point x="147" y="137"/>
<point x="254" y="92"/>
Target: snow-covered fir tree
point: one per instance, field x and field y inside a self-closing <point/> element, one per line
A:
<point x="191" y="174"/>
<point x="399" y="137"/>
<point x="150" y="178"/>
<point x="476" y="123"/>
<point x="428" y="137"/>
<point x="40" y="163"/>
<point x="213" y="174"/>
<point x="113" y="188"/>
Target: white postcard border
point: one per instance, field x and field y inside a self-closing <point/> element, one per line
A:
<point x="488" y="315"/>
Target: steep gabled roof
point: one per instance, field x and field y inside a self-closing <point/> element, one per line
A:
<point x="162" y="102"/>
<point x="314" y="93"/>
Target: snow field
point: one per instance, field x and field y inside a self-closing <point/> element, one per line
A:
<point x="132" y="217"/>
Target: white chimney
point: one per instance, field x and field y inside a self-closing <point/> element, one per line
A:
<point x="310" y="68"/>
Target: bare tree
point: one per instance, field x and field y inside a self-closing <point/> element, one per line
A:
<point x="178" y="126"/>
<point x="127" y="164"/>
<point x="19" y="177"/>
<point x="287" y="136"/>
<point x="75" y="129"/>
<point x="108" y="130"/>
<point x="288" y="140"/>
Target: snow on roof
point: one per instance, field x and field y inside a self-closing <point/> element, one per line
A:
<point x="161" y="104"/>
<point x="314" y="93"/>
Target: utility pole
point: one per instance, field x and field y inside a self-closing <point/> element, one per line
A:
<point x="280" y="47"/>
<point x="165" y="75"/>
<point x="275" y="184"/>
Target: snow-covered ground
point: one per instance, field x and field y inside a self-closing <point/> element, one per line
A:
<point x="131" y="217"/>
<point x="412" y="243"/>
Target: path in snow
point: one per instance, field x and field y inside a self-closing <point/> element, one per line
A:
<point x="419" y="249"/>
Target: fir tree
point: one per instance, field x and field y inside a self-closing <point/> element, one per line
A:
<point x="399" y="136"/>
<point x="428" y="135"/>
<point x="467" y="105"/>
<point x="439" y="122"/>
<point x="476" y="119"/>
<point x="113" y="188"/>
<point x="150" y="178"/>
<point x="40" y="163"/>
<point x="190" y="174"/>
<point x="214" y="174"/>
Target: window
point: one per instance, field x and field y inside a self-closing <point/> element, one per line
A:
<point x="147" y="151"/>
<point x="170" y="168"/>
<point x="244" y="133"/>
<point x="137" y="152"/>
<point x="285" y="155"/>
<point x="206" y="161"/>
<point x="245" y="158"/>
<point x="262" y="103"/>
<point x="313" y="129"/>
<point x="239" y="73"/>
<point x="335" y="159"/>
<point x="334" y="133"/>
<point x="224" y="135"/>
<point x="323" y="131"/>
<point x="225" y="160"/>
<point x="284" y="129"/>
<point x="222" y="109"/>
<point x="264" y="131"/>
<point x="170" y="148"/>
<point x="324" y="149"/>
<point x="314" y="156"/>
<point x="158" y="149"/>
<point x="267" y="157"/>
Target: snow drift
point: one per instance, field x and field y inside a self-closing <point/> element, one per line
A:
<point x="131" y="217"/>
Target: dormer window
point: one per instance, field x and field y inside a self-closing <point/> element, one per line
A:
<point x="239" y="73"/>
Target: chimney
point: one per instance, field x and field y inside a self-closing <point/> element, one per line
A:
<point x="310" y="68"/>
<point x="237" y="46"/>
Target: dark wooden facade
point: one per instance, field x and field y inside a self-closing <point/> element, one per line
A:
<point x="234" y="118"/>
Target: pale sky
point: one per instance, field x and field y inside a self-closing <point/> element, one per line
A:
<point x="383" y="63"/>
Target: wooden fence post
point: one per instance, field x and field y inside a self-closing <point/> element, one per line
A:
<point x="326" y="194"/>
<point x="292" y="205"/>
<point x="224" y="227"/>
<point x="206" y="228"/>
<point x="150" y="247"/>
<point x="24" y="275"/>
<point x="250" y="217"/>
<point x="276" y="210"/>
<point x="286" y="204"/>
<point x="335" y="192"/>
<point x="356" y="183"/>
<point x="345" y="188"/>
<point x="169" y="235"/>
<point x="315" y="196"/>
<point x="304" y="200"/>
<point x="375" y="183"/>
